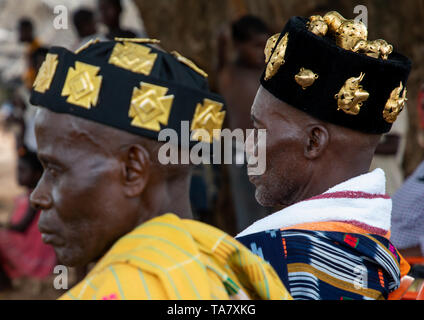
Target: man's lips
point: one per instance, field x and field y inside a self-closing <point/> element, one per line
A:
<point x="49" y="236"/>
<point x="52" y="239"/>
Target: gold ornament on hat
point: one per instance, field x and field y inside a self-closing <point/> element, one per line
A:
<point x="82" y="85"/>
<point x="134" y="57"/>
<point x="277" y="58"/>
<point x="334" y="20"/>
<point x="317" y="25"/>
<point x="270" y="45"/>
<point x="46" y="73"/>
<point x="351" y="96"/>
<point x="138" y="40"/>
<point x="305" y="78"/>
<point x="189" y="63"/>
<point x="86" y="45"/>
<point x="377" y="48"/>
<point x="349" y="34"/>
<point x="150" y="106"/>
<point x="207" y="120"/>
<point x="395" y="104"/>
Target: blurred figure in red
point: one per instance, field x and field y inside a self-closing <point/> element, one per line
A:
<point x="22" y="251"/>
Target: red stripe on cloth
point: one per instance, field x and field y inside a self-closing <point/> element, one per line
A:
<point x="350" y="195"/>
<point x="367" y="227"/>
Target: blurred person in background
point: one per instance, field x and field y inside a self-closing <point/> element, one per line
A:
<point x="26" y="36"/>
<point x="420" y="135"/>
<point x="110" y="15"/>
<point x="85" y="26"/>
<point x="22" y="251"/>
<point x="390" y="151"/>
<point x="238" y="81"/>
<point x="408" y="203"/>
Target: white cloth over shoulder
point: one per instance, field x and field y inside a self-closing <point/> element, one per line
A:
<point x="361" y="200"/>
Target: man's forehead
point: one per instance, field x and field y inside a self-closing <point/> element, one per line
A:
<point x="263" y="104"/>
<point x="64" y="129"/>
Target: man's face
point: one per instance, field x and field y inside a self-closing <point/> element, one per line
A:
<point x="286" y="168"/>
<point x="252" y="51"/>
<point x="25" y="34"/>
<point x="109" y="14"/>
<point x="84" y="210"/>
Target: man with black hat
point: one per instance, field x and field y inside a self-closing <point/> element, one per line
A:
<point x="326" y="96"/>
<point x="105" y="194"/>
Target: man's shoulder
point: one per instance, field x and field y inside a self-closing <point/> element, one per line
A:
<point x="118" y="281"/>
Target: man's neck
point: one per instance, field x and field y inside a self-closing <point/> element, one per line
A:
<point x="318" y="184"/>
<point x="169" y="197"/>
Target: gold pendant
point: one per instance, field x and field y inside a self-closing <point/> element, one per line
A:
<point x="395" y="104"/>
<point x="277" y="58"/>
<point x="189" y="63"/>
<point x="46" y="73"/>
<point x="207" y="117"/>
<point x="150" y="106"/>
<point x="82" y="85"/>
<point x="351" y="96"/>
<point x="134" y="57"/>
<point x="305" y="78"/>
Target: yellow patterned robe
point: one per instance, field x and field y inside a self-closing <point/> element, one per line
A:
<point x="171" y="258"/>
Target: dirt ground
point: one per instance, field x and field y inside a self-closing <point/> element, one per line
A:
<point x="22" y="288"/>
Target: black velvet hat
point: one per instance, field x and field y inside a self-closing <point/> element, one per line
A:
<point x="130" y="85"/>
<point x="326" y="67"/>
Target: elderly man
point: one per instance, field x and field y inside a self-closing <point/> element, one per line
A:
<point x="105" y="195"/>
<point x="327" y="95"/>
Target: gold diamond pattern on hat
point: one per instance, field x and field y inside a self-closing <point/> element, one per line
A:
<point x="207" y="118"/>
<point x="277" y="58"/>
<point x="395" y="104"/>
<point x="134" y="57"/>
<point x="46" y="73"/>
<point x="150" y="106"/>
<point x="351" y="96"/>
<point x="82" y="85"/>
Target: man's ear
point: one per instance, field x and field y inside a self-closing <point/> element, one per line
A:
<point x="135" y="170"/>
<point x="317" y="140"/>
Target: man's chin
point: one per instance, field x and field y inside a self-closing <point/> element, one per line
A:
<point x="68" y="259"/>
<point x="264" y="198"/>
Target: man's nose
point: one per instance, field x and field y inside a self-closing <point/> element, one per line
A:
<point x="40" y="200"/>
<point x="250" y="144"/>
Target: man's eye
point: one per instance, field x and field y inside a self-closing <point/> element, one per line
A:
<point x="52" y="171"/>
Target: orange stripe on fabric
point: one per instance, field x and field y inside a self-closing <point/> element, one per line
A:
<point x="332" y="226"/>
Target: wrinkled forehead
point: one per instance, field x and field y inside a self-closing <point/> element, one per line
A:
<point x="266" y="107"/>
<point x="65" y="131"/>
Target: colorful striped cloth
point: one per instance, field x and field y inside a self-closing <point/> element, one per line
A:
<point x="170" y="258"/>
<point x="334" y="245"/>
<point x="325" y="265"/>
